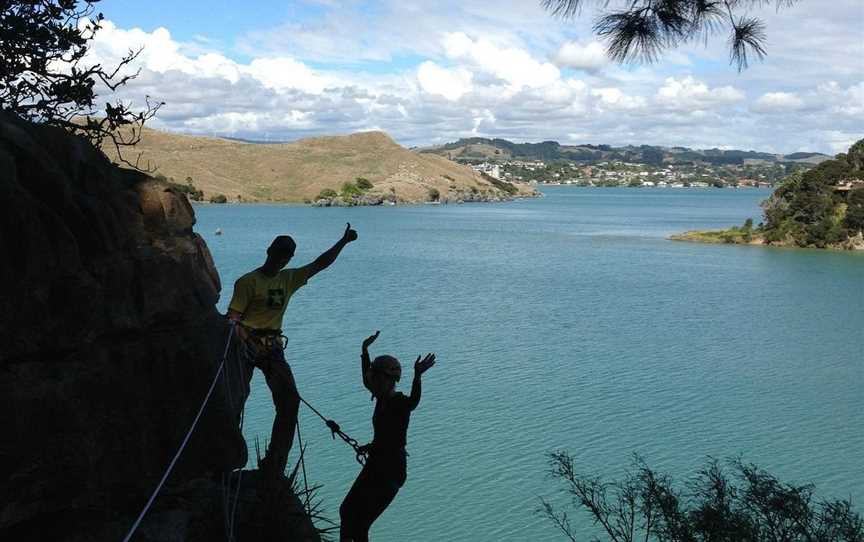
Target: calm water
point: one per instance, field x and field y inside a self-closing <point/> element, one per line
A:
<point x="567" y="322"/>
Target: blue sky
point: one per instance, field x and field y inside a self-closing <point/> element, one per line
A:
<point x="433" y="72"/>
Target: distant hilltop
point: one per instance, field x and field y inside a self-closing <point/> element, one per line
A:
<point x="484" y="149"/>
<point x="365" y="168"/>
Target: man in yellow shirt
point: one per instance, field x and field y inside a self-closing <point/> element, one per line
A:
<point x="258" y="305"/>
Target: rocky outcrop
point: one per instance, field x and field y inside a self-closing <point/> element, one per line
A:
<point x="451" y="196"/>
<point x="110" y="339"/>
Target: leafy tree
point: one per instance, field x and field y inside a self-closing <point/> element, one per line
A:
<point x="854" y="220"/>
<point x="350" y="190"/>
<point x="746" y="505"/>
<point x="434" y="195"/>
<point x="747" y="230"/>
<point x="364" y="183"/>
<point x="218" y="198"/>
<point x="43" y="78"/>
<point x="326" y="193"/>
<point x="640" y="30"/>
<point x="807" y="209"/>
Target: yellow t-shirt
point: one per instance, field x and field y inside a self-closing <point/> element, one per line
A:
<point x="262" y="299"/>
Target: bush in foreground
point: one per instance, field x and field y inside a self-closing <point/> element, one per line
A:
<point x="739" y="503"/>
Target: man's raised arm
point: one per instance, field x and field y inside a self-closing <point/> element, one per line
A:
<point x="324" y="261"/>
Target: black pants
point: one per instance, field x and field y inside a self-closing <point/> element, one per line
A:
<point x="374" y="489"/>
<point x="270" y="359"/>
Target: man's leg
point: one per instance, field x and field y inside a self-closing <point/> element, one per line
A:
<point x="238" y="376"/>
<point x="286" y="399"/>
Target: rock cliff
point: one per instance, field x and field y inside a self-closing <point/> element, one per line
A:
<point x="109" y="339"/>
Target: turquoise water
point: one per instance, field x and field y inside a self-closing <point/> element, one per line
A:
<point x="567" y="322"/>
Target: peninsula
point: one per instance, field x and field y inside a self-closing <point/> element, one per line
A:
<point x="819" y="208"/>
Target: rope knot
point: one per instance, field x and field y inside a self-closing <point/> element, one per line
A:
<point x="334" y="428"/>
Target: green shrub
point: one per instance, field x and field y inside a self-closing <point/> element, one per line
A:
<point x="731" y="501"/>
<point x="326" y="193"/>
<point x="218" y="198"/>
<point x="434" y="195"/>
<point x="350" y="189"/>
<point x="364" y="183"/>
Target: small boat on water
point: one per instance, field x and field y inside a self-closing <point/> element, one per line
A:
<point x="218" y="231"/>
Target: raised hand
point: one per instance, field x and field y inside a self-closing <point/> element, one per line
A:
<point x="370" y="339"/>
<point x="421" y="367"/>
<point x="349" y="235"/>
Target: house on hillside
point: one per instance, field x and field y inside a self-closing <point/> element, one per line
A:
<point x="847" y="186"/>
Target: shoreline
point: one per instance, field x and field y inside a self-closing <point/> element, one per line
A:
<point x="338" y="202"/>
<point x="737" y="237"/>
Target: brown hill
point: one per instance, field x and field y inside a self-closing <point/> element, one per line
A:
<point x="299" y="171"/>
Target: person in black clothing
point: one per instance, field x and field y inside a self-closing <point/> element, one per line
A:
<point x="385" y="470"/>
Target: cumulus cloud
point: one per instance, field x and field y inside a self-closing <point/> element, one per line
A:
<point x="614" y="98"/>
<point x="848" y="102"/>
<point x="285" y="73"/>
<point x="778" y="102"/>
<point x="691" y="95"/>
<point x="590" y="56"/>
<point x="514" y="66"/>
<point x="495" y="82"/>
<point x="451" y="84"/>
<point x="161" y="53"/>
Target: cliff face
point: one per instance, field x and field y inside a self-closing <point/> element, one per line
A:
<point x="109" y="340"/>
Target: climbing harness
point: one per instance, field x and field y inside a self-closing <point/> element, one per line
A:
<point x="267" y="341"/>
<point x="185" y="439"/>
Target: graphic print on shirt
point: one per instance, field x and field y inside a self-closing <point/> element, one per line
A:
<point x="275" y="298"/>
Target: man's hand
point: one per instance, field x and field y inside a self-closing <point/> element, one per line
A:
<point x="421" y="367"/>
<point x="370" y="339"/>
<point x="349" y="235"/>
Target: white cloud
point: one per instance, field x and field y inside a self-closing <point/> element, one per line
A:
<point x="848" y="102"/>
<point x="514" y="66"/>
<point x="285" y="73"/>
<point x="613" y="97"/>
<point x="589" y="57"/>
<point x="688" y="94"/>
<point x="493" y="74"/>
<point x="161" y="53"/>
<point x="778" y="102"/>
<point x="452" y="84"/>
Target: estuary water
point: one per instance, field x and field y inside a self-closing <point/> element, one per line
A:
<point x="567" y="322"/>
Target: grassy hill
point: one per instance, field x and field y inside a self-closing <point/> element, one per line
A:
<point x="299" y="171"/>
<point x="478" y="148"/>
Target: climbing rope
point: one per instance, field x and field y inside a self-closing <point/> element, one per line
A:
<point x="359" y="453"/>
<point x="228" y="487"/>
<point x="185" y="439"/>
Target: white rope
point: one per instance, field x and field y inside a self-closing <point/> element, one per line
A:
<point x="185" y="439"/>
